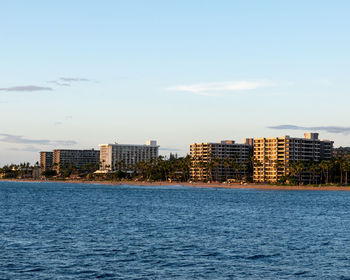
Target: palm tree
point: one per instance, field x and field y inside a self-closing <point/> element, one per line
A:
<point x="245" y="169"/>
<point x="257" y="164"/>
<point x="185" y="167"/>
<point x="340" y="162"/>
<point x="277" y="165"/>
<point x="226" y="164"/>
<point x="325" y="166"/>
<point x="296" y="169"/>
<point x="345" y="167"/>
<point x="216" y="164"/>
<point x="235" y="167"/>
<point x="313" y="168"/>
<point x="199" y="167"/>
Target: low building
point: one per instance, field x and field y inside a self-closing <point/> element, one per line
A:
<point x="74" y="159"/>
<point x="126" y="156"/>
<point x="273" y="156"/>
<point x="36" y="172"/>
<point x="219" y="161"/>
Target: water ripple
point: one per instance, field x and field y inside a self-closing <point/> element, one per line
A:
<point x="72" y="231"/>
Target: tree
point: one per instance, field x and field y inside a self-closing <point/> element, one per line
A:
<point x="226" y="163"/>
<point x="119" y="175"/>
<point x="277" y="165"/>
<point x="345" y="167"/>
<point x="235" y="167"/>
<point x="49" y="173"/>
<point x="296" y="169"/>
<point x="339" y="161"/>
<point x="313" y="169"/>
<point x="325" y="166"/>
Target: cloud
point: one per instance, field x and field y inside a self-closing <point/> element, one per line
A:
<point x="57" y="83"/>
<point x="9" y="138"/>
<point x="26" y="149"/>
<point x="57" y="123"/>
<point x="63" y="81"/>
<point x="25" y="88"/>
<point x="74" y="79"/>
<point x="212" y="89"/>
<point x="66" y="81"/>
<point x="168" y="149"/>
<point x="329" y="129"/>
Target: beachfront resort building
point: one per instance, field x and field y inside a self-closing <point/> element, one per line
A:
<point x="126" y="156"/>
<point x="46" y="160"/>
<point x="274" y="157"/>
<point x="77" y="159"/>
<point x="219" y="161"/>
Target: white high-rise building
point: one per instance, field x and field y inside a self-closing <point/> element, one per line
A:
<point x="126" y="156"/>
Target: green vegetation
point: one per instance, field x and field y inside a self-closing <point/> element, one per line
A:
<point x="333" y="171"/>
<point x="22" y="170"/>
<point x="177" y="169"/>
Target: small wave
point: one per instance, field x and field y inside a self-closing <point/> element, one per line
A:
<point x="300" y="273"/>
<point x="214" y="254"/>
<point x="261" y="256"/>
<point x="34" y="269"/>
<point x="105" y="275"/>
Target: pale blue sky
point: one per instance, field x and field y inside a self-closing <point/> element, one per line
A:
<point x="174" y="71"/>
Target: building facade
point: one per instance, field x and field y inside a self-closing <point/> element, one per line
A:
<point x="273" y="157"/>
<point x="78" y="159"/>
<point x="219" y="161"/>
<point x="46" y="159"/>
<point x="125" y="156"/>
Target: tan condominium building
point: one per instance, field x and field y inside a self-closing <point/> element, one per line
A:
<point x="219" y="161"/>
<point x="125" y="156"/>
<point x="273" y="156"/>
<point x="46" y="160"/>
<point x="64" y="158"/>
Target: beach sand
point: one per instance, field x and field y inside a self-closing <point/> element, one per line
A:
<point x="196" y="184"/>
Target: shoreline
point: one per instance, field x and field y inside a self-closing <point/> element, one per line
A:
<point x="186" y="184"/>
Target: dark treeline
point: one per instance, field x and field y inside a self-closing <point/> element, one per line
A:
<point x="22" y="170"/>
<point x="160" y="169"/>
<point x="335" y="171"/>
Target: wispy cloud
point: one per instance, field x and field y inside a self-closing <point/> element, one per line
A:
<point x="63" y="81"/>
<point x="67" y="79"/>
<point x="168" y="149"/>
<point x="214" y="89"/>
<point x="10" y="138"/>
<point x="329" y="129"/>
<point x="26" y="149"/>
<point x="57" y="83"/>
<point x="25" y="88"/>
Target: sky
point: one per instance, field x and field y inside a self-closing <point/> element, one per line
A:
<point x="76" y="74"/>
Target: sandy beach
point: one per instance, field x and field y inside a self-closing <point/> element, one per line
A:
<point x="196" y="185"/>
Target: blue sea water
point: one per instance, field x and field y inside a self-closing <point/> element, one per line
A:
<point x="79" y="231"/>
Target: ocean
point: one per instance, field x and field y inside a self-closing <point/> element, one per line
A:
<point x="82" y="231"/>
